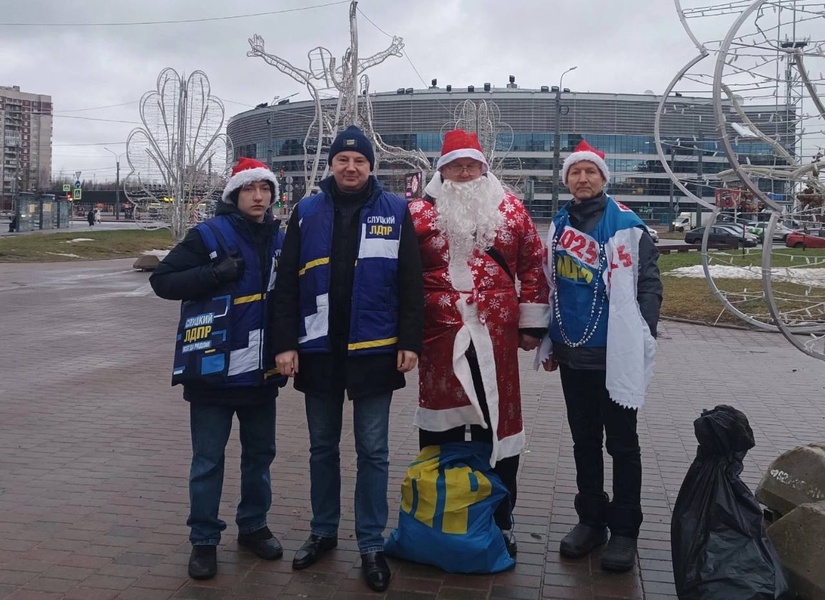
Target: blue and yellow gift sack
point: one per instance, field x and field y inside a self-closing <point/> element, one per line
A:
<point x="447" y="503"/>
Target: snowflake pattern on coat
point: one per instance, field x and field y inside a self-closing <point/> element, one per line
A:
<point x="498" y="304"/>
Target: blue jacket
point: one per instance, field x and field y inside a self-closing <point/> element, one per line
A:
<point x="186" y="274"/>
<point x="248" y="362"/>
<point x="374" y="313"/>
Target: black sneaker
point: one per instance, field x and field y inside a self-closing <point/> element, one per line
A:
<point x="620" y="554"/>
<point x="262" y="543"/>
<point x="582" y="540"/>
<point x="203" y="562"/>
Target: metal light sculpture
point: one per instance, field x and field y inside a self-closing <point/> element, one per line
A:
<point x="353" y="106"/>
<point x="749" y="61"/>
<point x="495" y="136"/>
<point x="416" y="159"/>
<point x="179" y="158"/>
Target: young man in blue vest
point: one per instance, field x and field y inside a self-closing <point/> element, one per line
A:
<point x="231" y="258"/>
<point x="349" y="307"/>
<point x="605" y="293"/>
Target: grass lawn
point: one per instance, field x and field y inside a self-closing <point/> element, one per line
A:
<point x="692" y="298"/>
<point x="96" y="245"/>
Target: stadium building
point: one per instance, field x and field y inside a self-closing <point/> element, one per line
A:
<point x="619" y="124"/>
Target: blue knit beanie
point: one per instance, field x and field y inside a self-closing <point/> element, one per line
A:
<point x="352" y="139"/>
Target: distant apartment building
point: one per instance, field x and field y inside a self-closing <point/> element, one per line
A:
<point x="26" y="135"/>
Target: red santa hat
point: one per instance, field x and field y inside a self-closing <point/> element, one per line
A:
<point x="248" y="170"/>
<point x="461" y="144"/>
<point x="585" y="151"/>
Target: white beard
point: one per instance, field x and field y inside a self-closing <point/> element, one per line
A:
<point x="468" y="214"/>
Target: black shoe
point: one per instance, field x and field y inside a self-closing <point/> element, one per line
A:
<point x="311" y="551"/>
<point x="376" y="571"/>
<point x="262" y="543"/>
<point x="510" y="542"/>
<point x="203" y="562"/>
<point x="620" y="554"/>
<point x="582" y="540"/>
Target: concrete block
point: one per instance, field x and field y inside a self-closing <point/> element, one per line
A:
<point x="795" y="477"/>
<point x="147" y="262"/>
<point x="799" y="537"/>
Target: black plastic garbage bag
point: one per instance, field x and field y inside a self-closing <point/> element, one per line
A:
<point x="720" y="548"/>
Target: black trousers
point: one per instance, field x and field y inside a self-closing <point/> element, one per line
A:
<point x="591" y="415"/>
<point x="506" y="468"/>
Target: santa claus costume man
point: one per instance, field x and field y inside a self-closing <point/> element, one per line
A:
<point x="476" y="239"/>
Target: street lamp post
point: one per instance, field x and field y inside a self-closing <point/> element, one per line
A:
<point x="700" y="151"/>
<point x="117" y="182"/>
<point x="557" y="144"/>
<point x="671" y="215"/>
<point x="269" y="143"/>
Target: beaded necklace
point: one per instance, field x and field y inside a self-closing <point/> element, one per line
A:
<point x="592" y="324"/>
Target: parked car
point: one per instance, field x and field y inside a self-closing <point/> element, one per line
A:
<point x="813" y="238"/>
<point x="780" y="232"/>
<point x="738" y="230"/>
<point x="719" y="235"/>
<point x="653" y="234"/>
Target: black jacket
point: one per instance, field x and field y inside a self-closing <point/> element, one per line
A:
<point x="359" y="376"/>
<point x="186" y="274"/>
<point x="585" y="216"/>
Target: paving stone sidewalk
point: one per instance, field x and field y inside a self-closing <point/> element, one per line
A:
<point x="94" y="452"/>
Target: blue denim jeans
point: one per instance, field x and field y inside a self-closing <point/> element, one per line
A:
<point x="371" y="418"/>
<point x="210" y="426"/>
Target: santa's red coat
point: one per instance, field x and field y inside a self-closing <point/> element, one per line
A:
<point x="489" y="315"/>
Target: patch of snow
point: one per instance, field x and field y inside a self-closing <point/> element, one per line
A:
<point x="79" y="240"/>
<point x="158" y="253"/>
<point x="814" y="277"/>
<point x="63" y="254"/>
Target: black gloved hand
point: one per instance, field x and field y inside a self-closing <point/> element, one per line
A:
<point x="229" y="269"/>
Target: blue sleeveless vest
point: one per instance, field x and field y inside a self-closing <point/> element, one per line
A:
<point x="221" y="339"/>
<point x="374" y="316"/>
<point x="579" y="266"/>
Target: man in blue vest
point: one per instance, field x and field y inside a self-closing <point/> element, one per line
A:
<point x="605" y="293"/>
<point x="228" y="262"/>
<point x="349" y="307"/>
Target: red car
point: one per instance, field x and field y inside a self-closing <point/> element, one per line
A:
<point x="806" y="239"/>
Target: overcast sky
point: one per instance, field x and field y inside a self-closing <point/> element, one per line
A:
<point x="618" y="46"/>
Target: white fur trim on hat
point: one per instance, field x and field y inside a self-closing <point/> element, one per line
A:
<point x="576" y="157"/>
<point x="241" y="178"/>
<point x="463" y="153"/>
